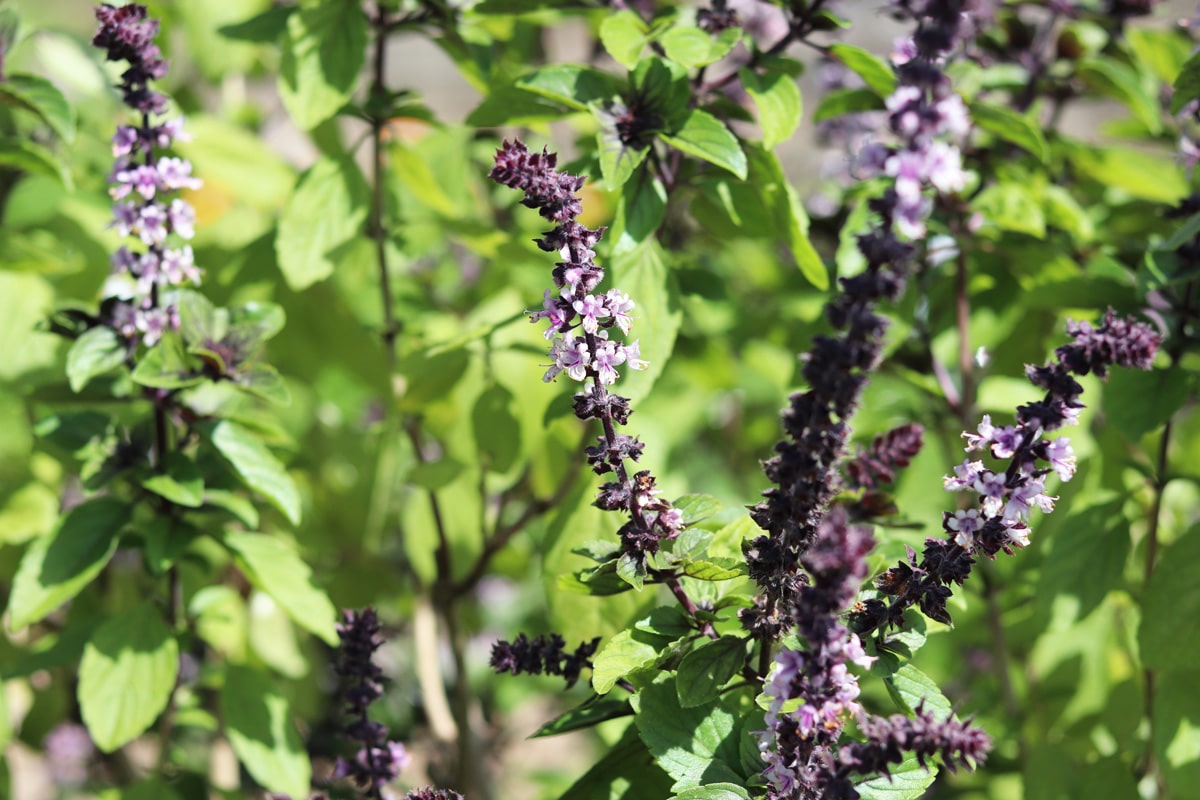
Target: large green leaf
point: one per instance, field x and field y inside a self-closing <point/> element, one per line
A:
<point x="323" y="52"/>
<point x="280" y="572"/>
<point x="1187" y="84"/>
<point x="1011" y="206"/>
<point x="260" y="729"/>
<point x="181" y="482"/>
<point x="96" y="352"/>
<point x="497" y="428"/>
<point x="786" y="212"/>
<point x="1088" y="555"/>
<point x="873" y="70"/>
<point x="706" y="137"/>
<point x="847" y="101"/>
<point x="1012" y="127"/>
<point x="1146" y="176"/>
<point x="1125" y="84"/>
<point x="256" y="466"/>
<point x="126" y="676"/>
<point x="623" y="35"/>
<point x="1169" y="634"/>
<point x="640" y="211"/>
<point x="696" y="746"/>
<point x="325" y="213"/>
<point x="56" y="567"/>
<point x="31" y="157"/>
<point x="574" y="86"/>
<point x="907" y="781"/>
<point x="591" y="712"/>
<point x="707" y="668"/>
<point x="624" y="653"/>
<point x="779" y="104"/>
<point x="626" y="772"/>
<point x="36" y="94"/>
<point x="714" y="791"/>
<point x="1137" y="402"/>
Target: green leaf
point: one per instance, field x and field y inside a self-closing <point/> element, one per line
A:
<point x="706" y="137"/>
<point x="787" y="213"/>
<point x="626" y="772"/>
<point x="714" y="791"/>
<point x="27" y="156"/>
<point x="1089" y="555"/>
<point x="632" y="570"/>
<point x="275" y="568"/>
<point x="497" y="428"/>
<point x="705" y="671"/>
<point x="911" y="689"/>
<point x="1064" y="212"/>
<point x="691" y="47"/>
<point x="258" y="723"/>
<point x="1011" y="207"/>
<point x="434" y="475"/>
<point x="1012" y="127"/>
<point x="181" y="482"/>
<point x="574" y="86"/>
<point x="235" y="504"/>
<point x="640" y="211"/>
<point x="590" y="713"/>
<point x="697" y="507"/>
<point x="779" y="104"/>
<point x="1164" y="51"/>
<point x="1169" y="634"/>
<point x="618" y="160"/>
<point x="621" y="655"/>
<point x="715" y="569"/>
<point x="1177" y="731"/>
<point x="1187" y="84"/>
<point x="429" y="375"/>
<point x="256" y="466"/>
<point x="873" y="70"/>
<point x="696" y="746"/>
<point x="264" y="28"/>
<point x="666" y="621"/>
<point x="1125" y="84"/>
<point x="36" y="94"/>
<point x="1137" y="402"/>
<point x="326" y="212"/>
<point x="847" y="101"/>
<point x="97" y="351"/>
<point x="907" y="781"/>
<point x="1187" y="231"/>
<point x="1143" y="175"/>
<point x="168" y="366"/>
<point x="56" y="567"/>
<point x="623" y="35"/>
<point x="323" y="53"/>
<point x="126" y="676"/>
<point x="273" y="638"/>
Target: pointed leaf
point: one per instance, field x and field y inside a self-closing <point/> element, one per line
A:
<point x="574" y="86"/>
<point x="58" y="566"/>
<point x="591" y="712"/>
<point x="696" y="746"/>
<point x="326" y="211"/>
<point x="280" y="572"/>
<point x="621" y="655"/>
<point x="779" y="104"/>
<point x="36" y="94"/>
<point x="126" y="676"/>
<point x="1012" y="127"/>
<point x="907" y="781"/>
<point x="706" y="137"/>
<point x="714" y="791"/>
<point x="497" y="428"/>
<point x="260" y="729"/>
<point x="97" y="351"/>
<point x="31" y="157"/>
<point x="872" y="69"/>
<point x="847" y="101"/>
<point x="715" y="569"/>
<point x="256" y="466"/>
<point x="323" y="52"/>
<point x="1169" y="633"/>
<point x="705" y="670"/>
<point x="623" y="35"/>
<point x="181" y="482"/>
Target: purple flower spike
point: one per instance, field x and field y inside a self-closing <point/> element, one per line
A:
<point x="583" y="329"/>
<point x="1010" y="492"/>
<point x="142" y="184"/>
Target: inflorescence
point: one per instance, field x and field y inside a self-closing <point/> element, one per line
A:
<point x="543" y="654"/>
<point x="143" y="184"/>
<point x="580" y="324"/>
<point x="1009" y="492"/>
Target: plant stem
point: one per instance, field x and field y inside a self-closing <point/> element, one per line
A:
<point x="378" y="232"/>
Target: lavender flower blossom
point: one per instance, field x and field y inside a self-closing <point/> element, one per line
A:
<point x="378" y="761"/>
<point x="582" y="324"/>
<point x="543" y="654"/>
<point x="1007" y="496"/>
<point x="805" y="759"/>
<point x="142" y="184"/>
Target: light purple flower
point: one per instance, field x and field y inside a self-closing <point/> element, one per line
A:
<point x="591" y="310"/>
<point x="965" y="475"/>
<point x="183" y="217"/>
<point x="1061" y="456"/>
<point x="619" y="305"/>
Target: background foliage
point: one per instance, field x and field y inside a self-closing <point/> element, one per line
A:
<point x="426" y="413"/>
